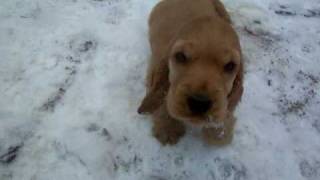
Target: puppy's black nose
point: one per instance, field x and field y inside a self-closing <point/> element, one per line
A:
<point x="199" y="104"/>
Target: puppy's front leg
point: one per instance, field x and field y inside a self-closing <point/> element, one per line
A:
<point x="220" y="135"/>
<point x="165" y="128"/>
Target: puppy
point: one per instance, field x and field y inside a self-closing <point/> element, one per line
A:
<point x="195" y="73"/>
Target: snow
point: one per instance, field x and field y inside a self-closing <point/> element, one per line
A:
<point x="72" y="76"/>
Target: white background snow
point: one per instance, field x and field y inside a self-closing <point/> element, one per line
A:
<point x="72" y="76"/>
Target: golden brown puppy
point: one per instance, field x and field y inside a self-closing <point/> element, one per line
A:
<point x="195" y="72"/>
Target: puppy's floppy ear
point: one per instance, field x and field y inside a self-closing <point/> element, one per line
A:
<point x="237" y="89"/>
<point x="158" y="87"/>
<point x="158" y="78"/>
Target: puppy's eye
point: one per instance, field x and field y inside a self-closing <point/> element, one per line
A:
<point x="180" y="57"/>
<point x="230" y="67"/>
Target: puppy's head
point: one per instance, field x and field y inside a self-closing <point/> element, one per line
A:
<point x="200" y="78"/>
<point x="204" y="62"/>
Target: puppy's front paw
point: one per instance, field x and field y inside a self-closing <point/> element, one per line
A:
<point x="220" y="135"/>
<point x="168" y="132"/>
<point x="217" y="136"/>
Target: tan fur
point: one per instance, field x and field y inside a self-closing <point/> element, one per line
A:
<point x="167" y="129"/>
<point x="202" y="30"/>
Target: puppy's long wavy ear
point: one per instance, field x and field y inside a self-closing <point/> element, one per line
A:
<point x="158" y="85"/>
<point x="237" y="89"/>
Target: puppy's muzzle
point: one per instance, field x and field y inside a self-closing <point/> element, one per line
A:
<point x="199" y="104"/>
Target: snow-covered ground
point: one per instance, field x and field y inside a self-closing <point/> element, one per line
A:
<point x="72" y="75"/>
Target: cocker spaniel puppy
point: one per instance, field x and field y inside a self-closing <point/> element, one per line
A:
<point x="195" y="73"/>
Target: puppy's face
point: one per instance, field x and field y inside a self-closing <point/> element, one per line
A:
<point x="202" y="69"/>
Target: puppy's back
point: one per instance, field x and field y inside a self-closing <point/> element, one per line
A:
<point x="169" y="16"/>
